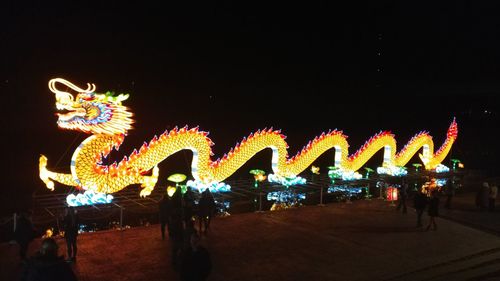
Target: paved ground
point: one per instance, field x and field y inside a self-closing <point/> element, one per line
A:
<point x="365" y="240"/>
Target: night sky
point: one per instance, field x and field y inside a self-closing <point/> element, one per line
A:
<point x="234" y="68"/>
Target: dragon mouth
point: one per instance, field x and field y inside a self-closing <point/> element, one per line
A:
<point x="67" y="113"/>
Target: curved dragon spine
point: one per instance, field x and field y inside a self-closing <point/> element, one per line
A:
<point x="88" y="173"/>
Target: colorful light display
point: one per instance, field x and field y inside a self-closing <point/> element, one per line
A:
<point x="89" y="197"/>
<point x="393" y="171"/>
<point x="350" y="190"/>
<point x="442" y="169"/>
<point x="392" y="194"/>
<point x="104" y="116"/>
<point x="285" y="199"/>
<point x="343" y="174"/>
<point x="213" y="186"/>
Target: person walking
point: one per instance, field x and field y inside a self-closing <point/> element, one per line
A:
<point x="420" y="202"/>
<point x="450" y="192"/>
<point x="47" y="265"/>
<point x="403" y="195"/>
<point x="433" y="210"/>
<point x="176" y="235"/>
<point x="187" y="206"/>
<point x="24" y="234"/>
<point x="71" y="225"/>
<point x="206" y="209"/>
<point x="492" y="197"/>
<point x="164" y="215"/>
<point x="196" y="264"/>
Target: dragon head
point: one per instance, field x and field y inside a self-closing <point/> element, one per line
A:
<point x="91" y="112"/>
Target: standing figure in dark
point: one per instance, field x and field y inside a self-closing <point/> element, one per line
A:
<point x="482" y="196"/>
<point x="176" y="229"/>
<point x="420" y="202"/>
<point x="403" y="195"/>
<point x="24" y="234"/>
<point x="450" y="192"/>
<point x="206" y="209"/>
<point x="492" y="197"/>
<point x="164" y="214"/>
<point x="47" y="265"/>
<point x="433" y="210"/>
<point x="176" y="235"/>
<point x="196" y="264"/>
<point x="71" y="225"/>
<point x="188" y="205"/>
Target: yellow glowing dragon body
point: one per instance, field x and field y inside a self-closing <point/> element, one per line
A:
<point x="108" y="120"/>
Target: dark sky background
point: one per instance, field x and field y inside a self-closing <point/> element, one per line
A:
<point x="234" y="68"/>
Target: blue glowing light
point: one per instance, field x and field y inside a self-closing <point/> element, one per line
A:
<point x="286" y="181"/>
<point x="345" y="189"/>
<point x="441" y="182"/>
<point x="442" y="169"/>
<point x="392" y="171"/>
<point x="346" y="175"/>
<point x="213" y="186"/>
<point x="285" y="196"/>
<point x="89" y="197"/>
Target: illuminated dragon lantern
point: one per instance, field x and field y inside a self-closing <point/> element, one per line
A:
<point x="107" y="120"/>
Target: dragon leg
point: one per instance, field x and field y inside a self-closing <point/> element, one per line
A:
<point x="46" y="175"/>
<point x="149" y="182"/>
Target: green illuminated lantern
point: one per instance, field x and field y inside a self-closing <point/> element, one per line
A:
<point x="259" y="176"/>
<point x="177" y="178"/>
<point x="368" y="171"/>
<point x="417" y="166"/>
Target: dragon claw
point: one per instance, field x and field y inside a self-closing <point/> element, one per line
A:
<point x="145" y="192"/>
<point x="150" y="182"/>
<point x="44" y="173"/>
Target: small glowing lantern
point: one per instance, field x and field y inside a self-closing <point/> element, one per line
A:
<point x="48" y="233"/>
<point x="454" y="163"/>
<point x="392" y="194"/>
<point x="315" y="170"/>
<point x="177" y="178"/>
<point x="260" y="178"/>
<point x="171" y="190"/>
<point x="368" y="171"/>
<point x="417" y="166"/>
<point x="258" y="175"/>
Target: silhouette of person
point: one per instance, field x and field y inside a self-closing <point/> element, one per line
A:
<point x="206" y="210"/>
<point x="47" y="265"/>
<point x="433" y="210"/>
<point x="71" y="225"/>
<point x="177" y="234"/>
<point x="196" y="264"/>
<point x="188" y="205"/>
<point x="403" y="195"/>
<point x="482" y="196"/>
<point x="450" y="192"/>
<point x="24" y="234"/>
<point x="164" y="215"/>
<point x="420" y="202"/>
<point x="492" y="197"/>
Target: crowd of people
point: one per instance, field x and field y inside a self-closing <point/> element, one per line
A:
<point x="46" y="264"/>
<point x="429" y="198"/>
<point x="486" y="196"/>
<point x="177" y="214"/>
